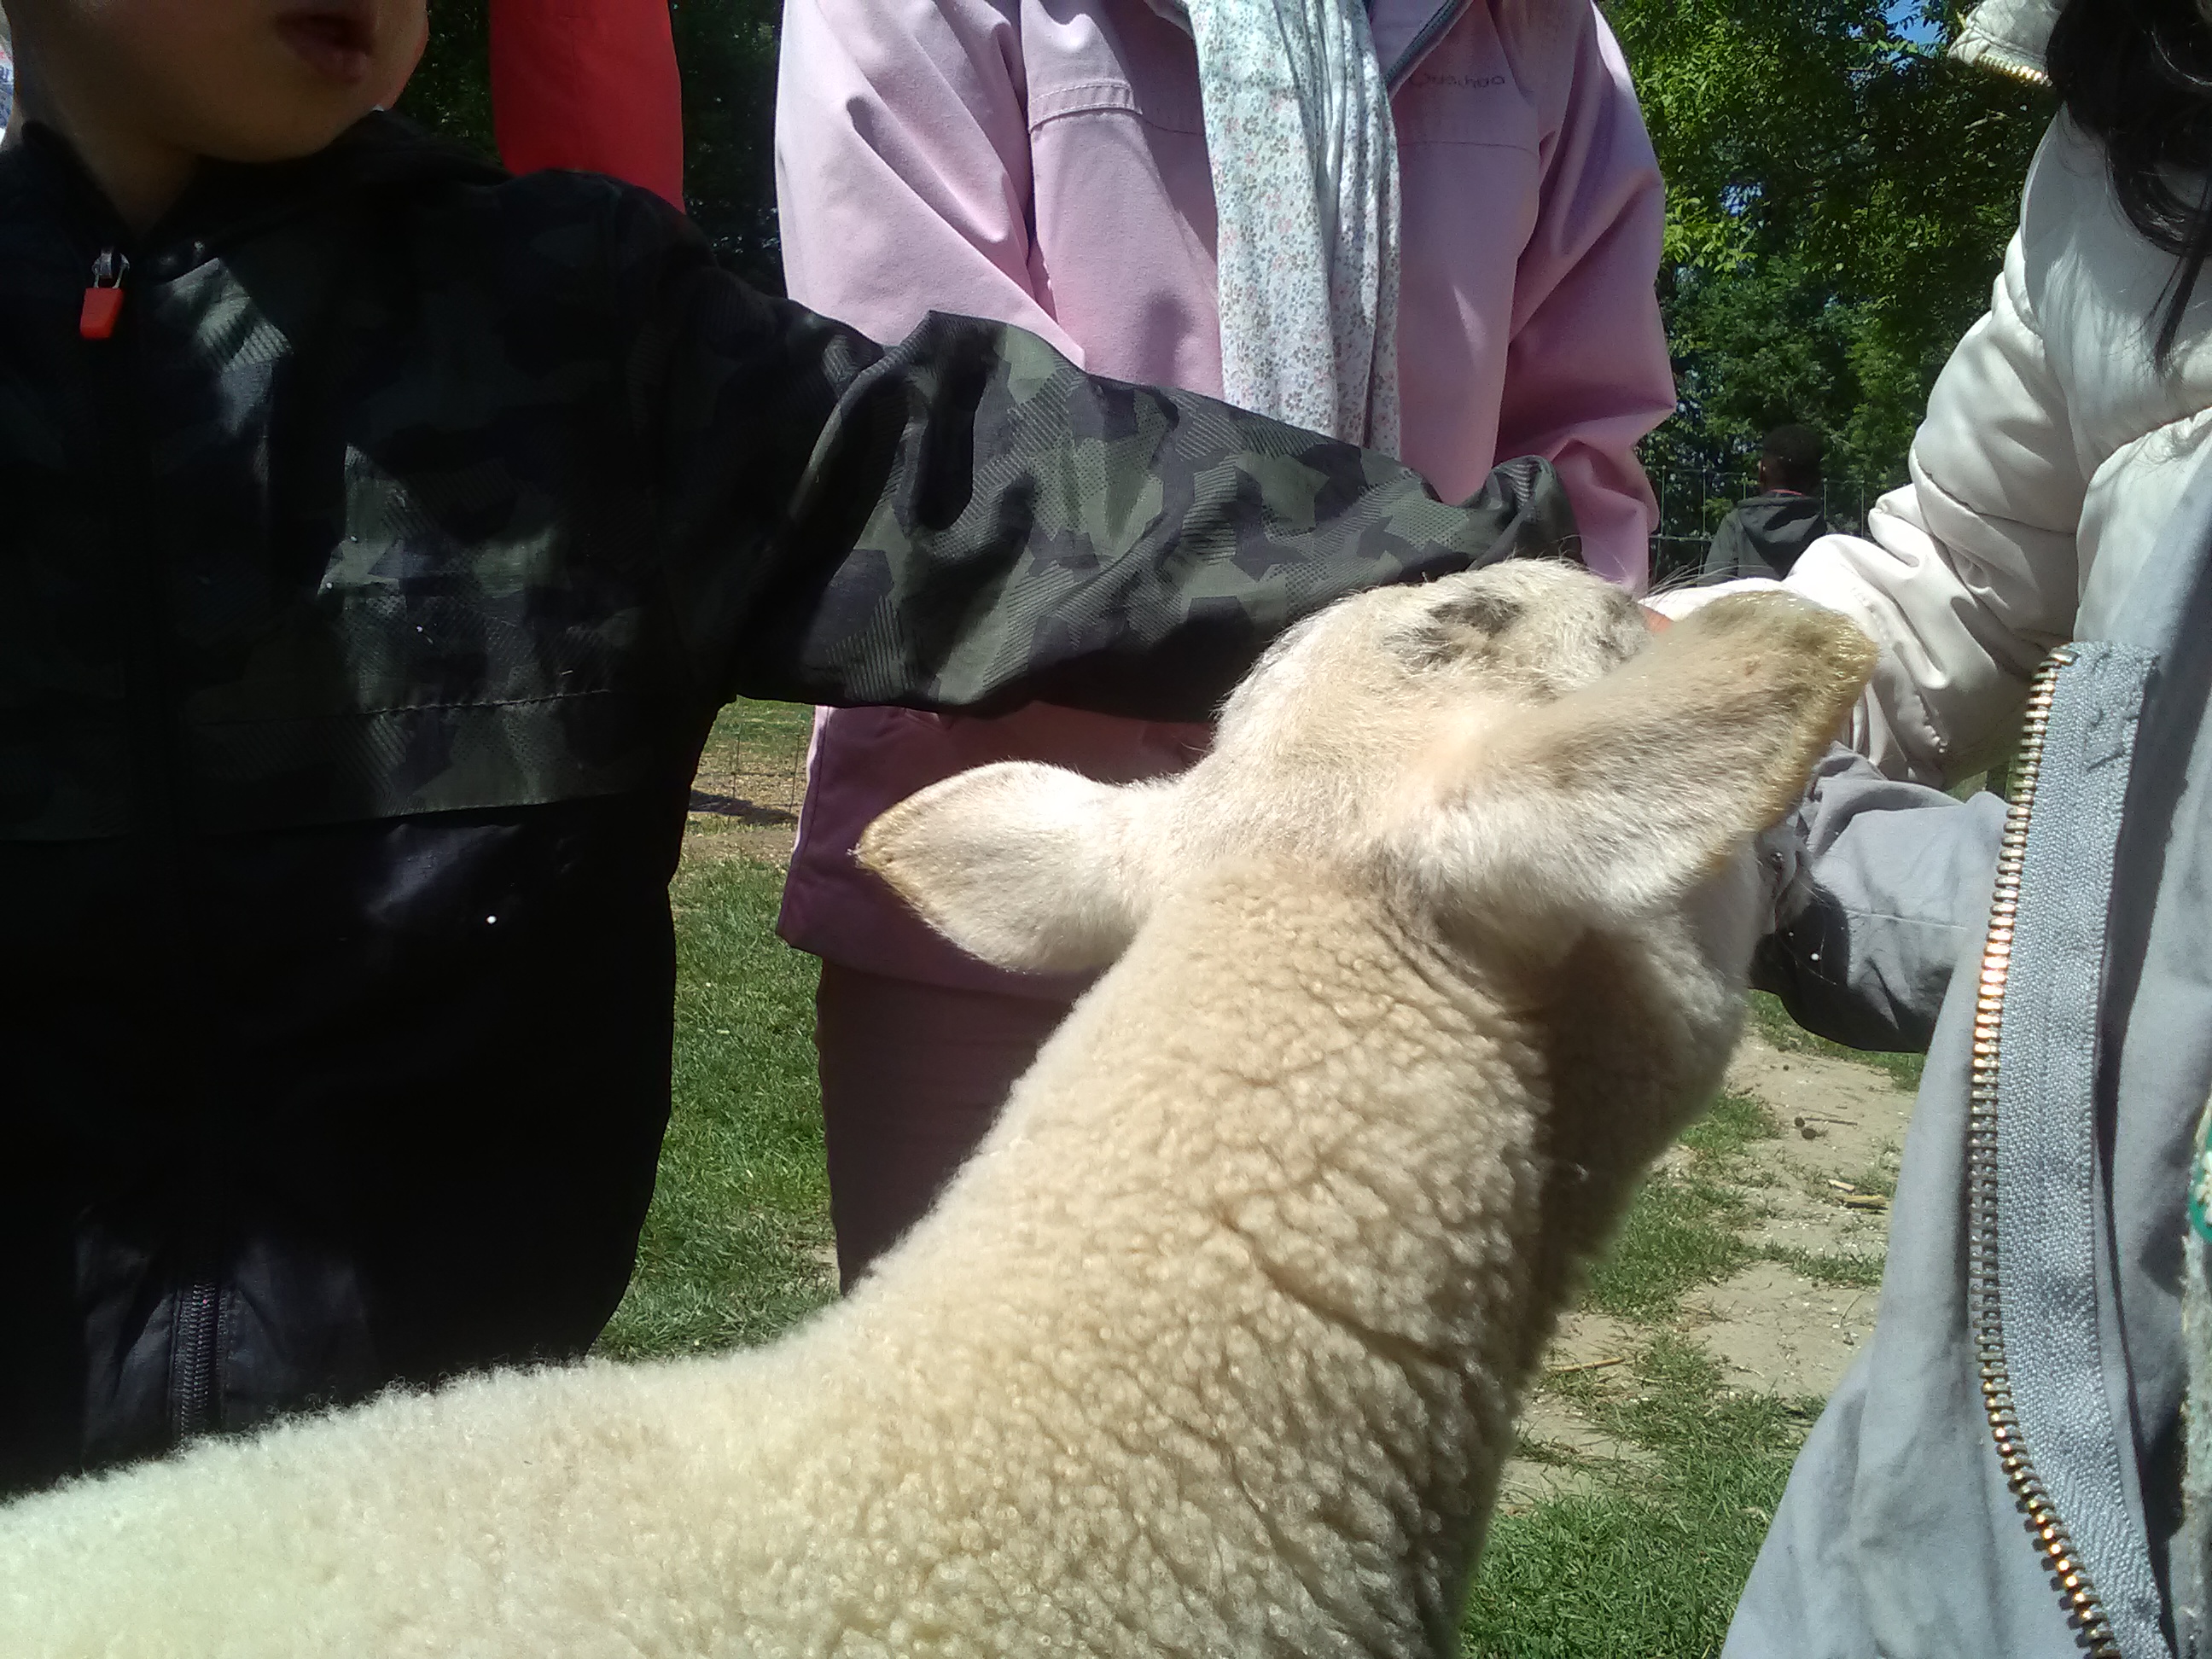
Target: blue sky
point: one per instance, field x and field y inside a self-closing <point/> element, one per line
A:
<point x="1906" y="16"/>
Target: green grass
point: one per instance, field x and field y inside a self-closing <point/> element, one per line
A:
<point x="1729" y="1125"/>
<point x="1683" y="1230"/>
<point x="1650" y="1570"/>
<point x="734" y="1246"/>
<point x="775" y="731"/>
<point x="1834" y="1269"/>
<point x="1686" y="1228"/>
<point x="1774" y="1023"/>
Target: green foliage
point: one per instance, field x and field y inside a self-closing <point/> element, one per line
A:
<point x="1838" y="200"/>
<point x="451" y="93"/>
<point x="1838" y="197"/>
<point x="725" y="52"/>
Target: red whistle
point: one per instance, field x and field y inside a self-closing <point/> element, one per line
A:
<point x="102" y="306"/>
<point x="103" y="301"/>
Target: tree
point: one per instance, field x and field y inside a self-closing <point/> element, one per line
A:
<point x="1838" y="200"/>
<point x="451" y="93"/>
<point x="725" y="51"/>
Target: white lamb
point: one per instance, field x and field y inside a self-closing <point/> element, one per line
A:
<point x="1215" y="1346"/>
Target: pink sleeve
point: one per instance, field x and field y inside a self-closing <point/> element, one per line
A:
<point x="1588" y="372"/>
<point x="902" y="165"/>
<point x="590" y="84"/>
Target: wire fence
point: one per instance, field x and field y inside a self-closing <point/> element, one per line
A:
<point x="1691" y="505"/>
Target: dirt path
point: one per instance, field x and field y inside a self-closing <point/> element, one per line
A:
<point x="1815" y="1194"/>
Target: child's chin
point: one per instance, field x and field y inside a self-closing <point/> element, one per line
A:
<point x="301" y="133"/>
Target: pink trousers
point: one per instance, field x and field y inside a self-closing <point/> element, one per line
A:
<point x="912" y="1077"/>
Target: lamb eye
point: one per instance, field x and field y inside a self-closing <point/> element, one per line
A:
<point x="1461" y="629"/>
<point x="1481" y="612"/>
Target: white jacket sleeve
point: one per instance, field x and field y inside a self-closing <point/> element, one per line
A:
<point x="1968" y="574"/>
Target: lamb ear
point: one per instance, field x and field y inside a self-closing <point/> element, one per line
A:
<point x="1618" y="799"/>
<point x="1027" y="866"/>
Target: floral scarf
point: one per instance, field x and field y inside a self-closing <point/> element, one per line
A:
<point x="1305" y="185"/>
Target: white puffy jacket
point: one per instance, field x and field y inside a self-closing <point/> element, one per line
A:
<point x="2052" y="453"/>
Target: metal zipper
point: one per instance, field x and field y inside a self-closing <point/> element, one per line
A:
<point x="2027" y="75"/>
<point x="194" y="1351"/>
<point x="194" y="1382"/>
<point x="2052" y="1539"/>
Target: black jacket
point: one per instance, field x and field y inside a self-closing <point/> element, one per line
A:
<point x="367" y="598"/>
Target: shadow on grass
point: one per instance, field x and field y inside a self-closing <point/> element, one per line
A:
<point x="1772" y="1021"/>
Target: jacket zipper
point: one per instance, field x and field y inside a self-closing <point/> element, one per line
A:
<point x="1446" y="13"/>
<point x="193" y="1354"/>
<point x="194" y="1348"/>
<point x="1998" y="59"/>
<point x="1983" y="1300"/>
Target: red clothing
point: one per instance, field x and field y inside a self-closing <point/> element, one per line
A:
<point x="589" y="84"/>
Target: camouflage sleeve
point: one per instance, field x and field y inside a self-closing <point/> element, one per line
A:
<point x="967" y="521"/>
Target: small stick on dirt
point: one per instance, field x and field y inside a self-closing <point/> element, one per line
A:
<point x="1864" y="1201"/>
<point x="1586" y="1365"/>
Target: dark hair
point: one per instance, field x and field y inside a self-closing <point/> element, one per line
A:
<point x="2137" y="75"/>
<point x="1792" y="453"/>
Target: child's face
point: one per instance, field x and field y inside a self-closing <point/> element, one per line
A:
<point x="236" y="80"/>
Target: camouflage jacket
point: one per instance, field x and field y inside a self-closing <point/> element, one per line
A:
<point x="364" y="598"/>
<point x="452" y="490"/>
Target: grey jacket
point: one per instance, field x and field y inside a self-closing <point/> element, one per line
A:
<point x="2034" y="1272"/>
<point x="1763" y="537"/>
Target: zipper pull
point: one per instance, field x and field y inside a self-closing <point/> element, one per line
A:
<point x="103" y="301"/>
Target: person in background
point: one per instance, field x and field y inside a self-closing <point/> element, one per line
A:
<point x="1764" y="536"/>
<point x="1149" y="185"/>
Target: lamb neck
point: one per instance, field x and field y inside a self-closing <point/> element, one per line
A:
<point x="1253" y="1233"/>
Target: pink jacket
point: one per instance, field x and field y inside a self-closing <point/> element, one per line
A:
<point x="1043" y="162"/>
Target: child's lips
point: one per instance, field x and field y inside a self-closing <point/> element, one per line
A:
<point x="336" y="41"/>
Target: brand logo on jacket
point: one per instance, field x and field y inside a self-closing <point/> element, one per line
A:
<point x="1471" y="82"/>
